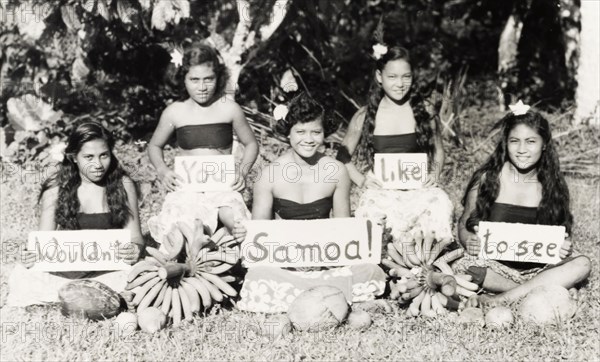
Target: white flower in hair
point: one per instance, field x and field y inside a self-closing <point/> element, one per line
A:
<point x="379" y="50"/>
<point x="176" y="58"/>
<point x="519" y="109"/>
<point x="280" y="111"/>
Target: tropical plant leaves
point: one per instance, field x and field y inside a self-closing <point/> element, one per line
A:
<point x="30" y="113"/>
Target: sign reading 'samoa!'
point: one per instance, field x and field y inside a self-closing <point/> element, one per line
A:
<point x="303" y="243"/>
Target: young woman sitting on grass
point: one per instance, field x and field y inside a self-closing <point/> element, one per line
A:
<point x="89" y="191"/>
<point x="203" y="122"/>
<point x="318" y="187"/>
<point x="395" y="121"/>
<point x="520" y="183"/>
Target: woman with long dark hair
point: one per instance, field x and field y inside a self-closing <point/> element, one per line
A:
<point x="521" y="182"/>
<point x="90" y="190"/>
<point x="395" y="120"/>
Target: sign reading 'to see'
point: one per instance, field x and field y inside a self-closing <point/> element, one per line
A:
<point x="401" y="171"/>
<point x="305" y="243"/>
<point x="521" y="242"/>
<point x="206" y="173"/>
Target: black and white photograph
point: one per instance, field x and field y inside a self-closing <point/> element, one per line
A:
<point x="299" y="180"/>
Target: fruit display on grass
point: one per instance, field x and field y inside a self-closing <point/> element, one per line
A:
<point x="421" y="276"/>
<point x="189" y="276"/>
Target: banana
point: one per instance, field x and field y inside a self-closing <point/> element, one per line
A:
<point x="150" y="296"/>
<point x="463" y="291"/>
<point x="166" y="305"/>
<point x="215" y="293"/>
<point x="219" y="269"/>
<point x="219" y="283"/>
<point x="156" y="254"/>
<point x="412" y="283"/>
<point x="144" y="290"/>
<point x="438" y="248"/>
<point x="141" y="280"/>
<point x="467" y="277"/>
<point x="453" y="255"/>
<point x="427" y="245"/>
<point x="218" y="236"/>
<point x="173" y="243"/>
<point x="161" y="295"/>
<point x="187" y="231"/>
<point x="230" y="256"/>
<point x="418" y="242"/>
<point x="467" y="285"/>
<point x="412" y="293"/>
<point x="443" y="267"/>
<point x="397" y="269"/>
<point x="416" y="303"/>
<point x="139" y="268"/>
<point x="437" y="306"/>
<point x="154" y="261"/>
<point x="185" y="304"/>
<point x="411" y="253"/>
<point x="176" y="306"/>
<point x="396" y="255"/>
<point x="227" y="278"/>
<point x="426" y="305"/>
<point x="192" y="295"/>
<point x="202" y="291"/>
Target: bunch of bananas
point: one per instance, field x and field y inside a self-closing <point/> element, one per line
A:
<point x="189" y="275"/>
<point x="422" y="277"/>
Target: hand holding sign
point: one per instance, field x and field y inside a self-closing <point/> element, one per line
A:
<point x="170" y="180"/>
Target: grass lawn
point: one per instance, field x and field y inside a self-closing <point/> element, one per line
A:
<point x="38" y="332"/>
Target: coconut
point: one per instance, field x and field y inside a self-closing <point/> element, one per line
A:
<point x="318" y="308"/>
<point x="126" y="323"/>
<point x="151" y="319"/>
<point x="471" y="316"/>
<point x="547" y="304"/>
<point x="359" y="319"/>
<point x="499" y="317"/>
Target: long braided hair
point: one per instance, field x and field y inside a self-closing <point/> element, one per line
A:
<point x="424" y="131"/>
<point x="554" y="206"/>
<point x="68" y="180"/>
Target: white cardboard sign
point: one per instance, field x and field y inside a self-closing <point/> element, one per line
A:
<point x="521" y="242"/>
<point x="304" y="243"/>
<point x="401" y="171"/>
<point x="206" y="173"/>
<point x="78" y="250"/>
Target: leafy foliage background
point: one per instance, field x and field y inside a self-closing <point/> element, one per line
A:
<point x="109" y="60"/>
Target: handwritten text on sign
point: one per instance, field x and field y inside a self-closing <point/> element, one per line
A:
<point x="206" y="173"/>
<point x="78" y="250"/>
<point x="521" y="242"/>
<point x="401" y="171"/>
<point x="303" y="243"/>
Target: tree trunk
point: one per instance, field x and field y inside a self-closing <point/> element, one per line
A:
<point x="507" y="55"/>
<point x="588" y="72"/>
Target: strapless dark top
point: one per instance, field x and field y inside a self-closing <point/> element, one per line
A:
<point x="212" y="135"/>
<point x="98" y="221"/>
<point x="513" y="213"/>
<point x="291" y="210"/>
<point x="400" y="143"/>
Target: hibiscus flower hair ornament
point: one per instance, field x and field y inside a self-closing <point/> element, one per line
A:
<point x="379" y="50"/>
<point x="519" y="109"/>
<point x="176" y="58"/>
<point x="280" y="111"/>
